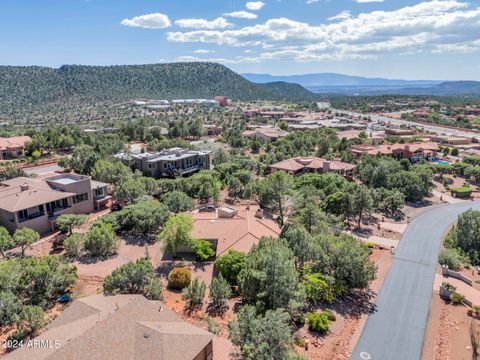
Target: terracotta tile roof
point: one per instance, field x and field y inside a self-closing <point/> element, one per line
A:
<point x="23" y="193"/>
<point x="238" y="233"/>
<point x="299" y="163"/>
<point x="118" y="327"/>
<point x="14" y="142"/>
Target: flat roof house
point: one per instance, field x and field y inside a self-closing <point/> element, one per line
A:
<point x="13" y="147"/>
<point x="300" y="165"/>
<point x="171" y="162"/>
<point x="412" y="151"/>
<point x="120" y="327"/>
<point x="36" y="202"/>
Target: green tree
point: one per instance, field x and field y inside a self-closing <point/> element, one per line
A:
<point x="220" y="292"/>
<point x="67" y="222"/>
<point x="258" y="337"/>
<point x="112" y="172"/>
<point x="178" y="201"/>
<point x="230" y="265"/>
<point x="143" y="218"/>
<point x="83" y="159"/>
<point x="176" y="233"/>
<point x="361" y="202"/>
<point x="24" y="238"/>
<point x="345" y="259"/>
<point x="74" y="245"/>
<point x="391" y="200"/>
<point x="301" y="243"/>
<point x="468" y="234"/>
<point x="194" y="294"/>
<point x="129" y="190"/>
<point x="274" y="192"/>
<point x="320" y="288"/>
<point x="101" y="240"/>
<point x="6" y="241"/>
<point x="137" y="277"/>
<point x="269" y="279"/>
<point x="234" y="187"/>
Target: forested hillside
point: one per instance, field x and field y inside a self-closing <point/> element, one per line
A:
<point x="38" y="86"/>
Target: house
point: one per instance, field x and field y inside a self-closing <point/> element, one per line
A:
<point x="36" y="202"/>
<point x="13" y="147"/>
<point x="300" y="165"/>
<point x="169" y="162"/>
<point x="221" y="100"/>
<point x="399" y="131"/>
<point x="265" y="133"/>
<point x="212" y="129"/>
<point x="120" y="327"/>
<point x="229" y="228"/>
<point x="451" y="140"/>
<point x="413" y="151"/>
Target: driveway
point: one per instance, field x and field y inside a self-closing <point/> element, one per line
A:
<point x="395" y="330"/>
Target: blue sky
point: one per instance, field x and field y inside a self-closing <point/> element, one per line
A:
<point x="411" y="39"/>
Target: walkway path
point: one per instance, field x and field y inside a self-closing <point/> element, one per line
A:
<point x="395" y="330"/>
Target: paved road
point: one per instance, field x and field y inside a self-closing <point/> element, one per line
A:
<point x="432" y="128"/>
<point x="396" y="329"/>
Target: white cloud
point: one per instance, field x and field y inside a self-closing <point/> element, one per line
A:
<point x="368" y="1"/>
<point x="203" y="51"/>
<point x="343" y="15"/>
<point x="254" y="5"/>
<point x="311" y="1"/>
<point x="437" y="25"/>
<point x="188" y="58"/>
<point x="218" y="23"/>
<point x="241" y="15"/>
<point x="148" y="21"/>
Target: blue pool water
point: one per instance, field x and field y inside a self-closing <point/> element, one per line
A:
<point x="441" y="162"/>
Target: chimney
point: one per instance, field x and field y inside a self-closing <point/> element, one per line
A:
<point x="326" y="166"/>
<point x="248" y="205"/>
<point x="259" y="214"/>
<point x="24" y="187"/>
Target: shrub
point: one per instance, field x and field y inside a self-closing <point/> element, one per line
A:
<point x="134" y="278"/>
<point x="299" y="341"/>
<point x="73" y="245"/>
<point x="101" y="240"/>
<point x="179" y="278"/>
<point x="9" y="306"/>
<point x="457" y="298"/>
<point x="461" y="192"/>
<point x="448" y="286"/>
<point x="318" y="322"/>
<point x="451" y="258"/>
<point x="203" y="249"/>
<point x="330" y="315"/>
<point x="212" y="326"/>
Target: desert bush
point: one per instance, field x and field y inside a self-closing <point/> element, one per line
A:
<point x="451" y="258"/>
<point x="318" y="322"/>
<point x="179" y="278"/>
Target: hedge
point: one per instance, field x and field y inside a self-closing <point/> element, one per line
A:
<point x="463" y="191"/>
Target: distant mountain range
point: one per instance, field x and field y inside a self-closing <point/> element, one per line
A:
<point x="331" y="83"/>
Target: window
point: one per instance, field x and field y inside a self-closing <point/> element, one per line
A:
<point x="22" y="215"/>
<point x="57" y="205"/>
<point x="98" y="192"/>
<point x="80" y="198"/>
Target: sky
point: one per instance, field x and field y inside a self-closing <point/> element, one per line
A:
<point x="407" y="39"/>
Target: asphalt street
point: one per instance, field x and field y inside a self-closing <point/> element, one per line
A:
<point x="396" y="328"/>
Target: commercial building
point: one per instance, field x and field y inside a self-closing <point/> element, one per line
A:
<point x="120" y="327"/>
<point x="37" y="202"/>
<point x="13" y="147"/>
<point x="300" y="165"/>
<point x="171" y="162"/>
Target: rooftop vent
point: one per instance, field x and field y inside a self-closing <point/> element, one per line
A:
<point x="24" y="187"/>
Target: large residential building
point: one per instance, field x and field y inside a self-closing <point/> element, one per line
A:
<point x="300" y="165"/>
<point x="412" y="151"/>
<point x="229" y="228"/>
<point x="169" y="162"/>
<point x="120" y="327"/>
<point x="36" y="202"/>
<point x="13" y="147"/>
